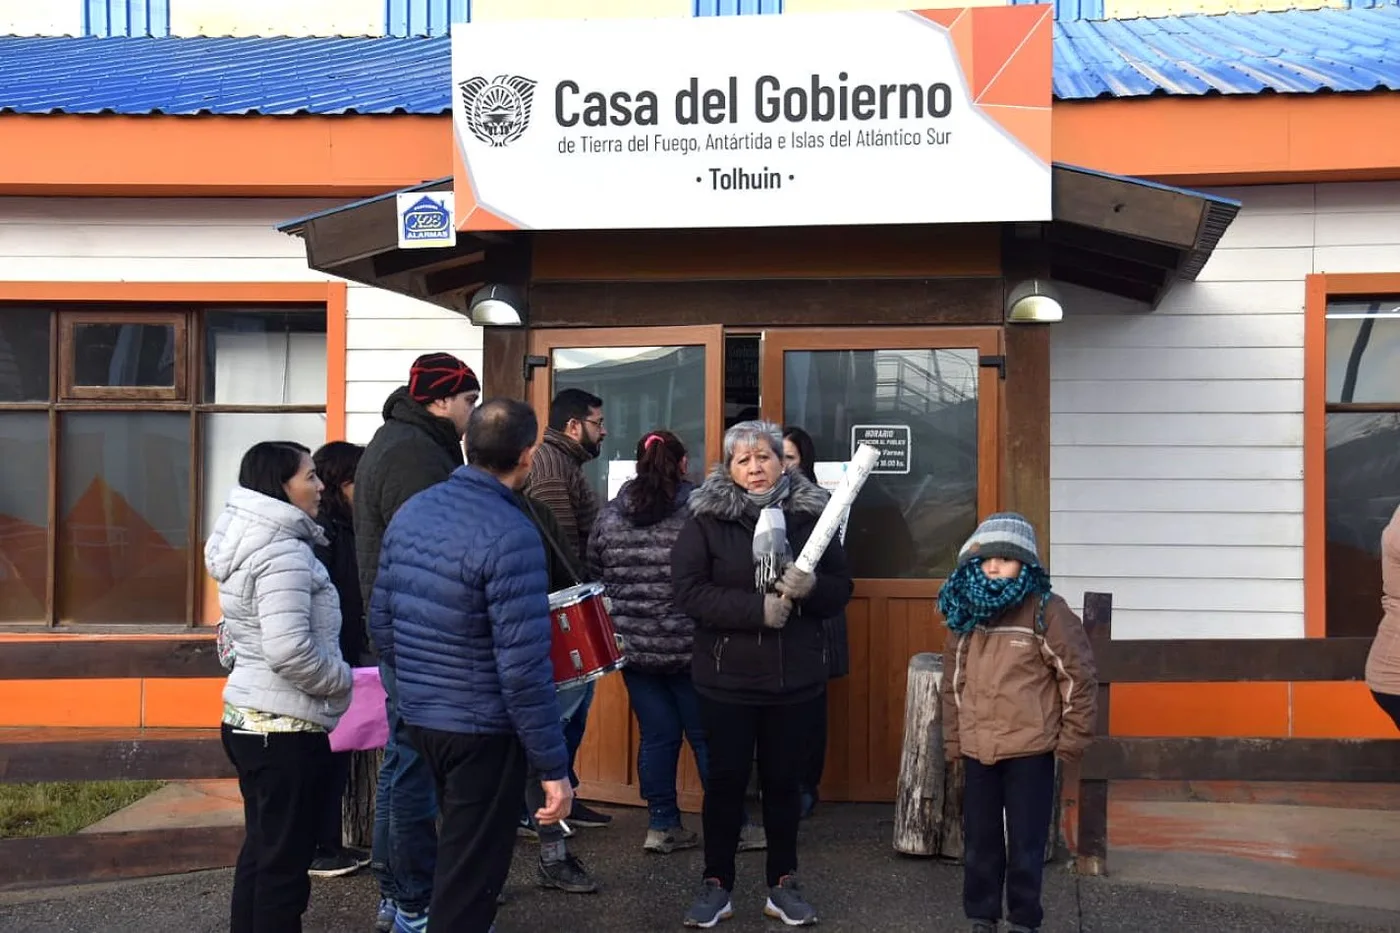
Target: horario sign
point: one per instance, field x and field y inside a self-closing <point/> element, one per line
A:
<point x="931" y="116"/>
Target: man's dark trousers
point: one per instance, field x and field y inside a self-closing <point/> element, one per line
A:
<point x="480" y="788"/>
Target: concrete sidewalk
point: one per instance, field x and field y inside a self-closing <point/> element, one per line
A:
<point x="851" y="873"/>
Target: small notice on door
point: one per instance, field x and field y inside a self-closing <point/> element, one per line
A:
<point x="891" y="440"/>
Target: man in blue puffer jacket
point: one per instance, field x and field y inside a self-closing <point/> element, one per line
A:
<point x="460" y="608"/>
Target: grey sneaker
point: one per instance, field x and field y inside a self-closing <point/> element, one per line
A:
<point x="666" y="841"/>
<point x="752" y="838"/>
<point x="786" y="903"/>
<point x="384" y="919"/>
<point x="984" y="926"/>
<point x="711" y="906"/>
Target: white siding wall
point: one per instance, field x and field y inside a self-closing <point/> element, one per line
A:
<point x="1176" y="477"/>
<point x="226" y="240"/>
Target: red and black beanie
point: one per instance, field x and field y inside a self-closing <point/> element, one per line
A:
<point x="436" y="376"/>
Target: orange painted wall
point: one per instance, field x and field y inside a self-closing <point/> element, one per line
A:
<point x="125" y="703"/>
<point x="1254" y="710"/>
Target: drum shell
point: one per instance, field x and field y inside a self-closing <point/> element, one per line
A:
<point x="584" y="645"/>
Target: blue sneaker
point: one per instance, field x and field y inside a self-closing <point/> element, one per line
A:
<point x="406" y="922"/>
<point x="384" y="919"/>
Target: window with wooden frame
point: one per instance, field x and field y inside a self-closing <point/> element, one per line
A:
<point x="1361" y="463"/>
<point x="122" y="428"/>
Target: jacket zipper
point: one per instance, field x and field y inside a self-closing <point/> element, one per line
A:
<point x="719" y="651"/>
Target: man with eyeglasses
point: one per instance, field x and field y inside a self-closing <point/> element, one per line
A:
<point x="574" y="436"/>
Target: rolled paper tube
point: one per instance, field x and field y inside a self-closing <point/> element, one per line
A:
<point x="829" y="522"/>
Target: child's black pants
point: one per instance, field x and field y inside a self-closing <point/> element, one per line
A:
<point x="1024" y="788"/>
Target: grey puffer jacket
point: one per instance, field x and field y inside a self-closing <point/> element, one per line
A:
<point x="281" y="611"/>
<point x="633" y="561"/>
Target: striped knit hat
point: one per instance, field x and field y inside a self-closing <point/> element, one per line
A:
<point x="436" y="376"/>
<point x="1005" y="534"/>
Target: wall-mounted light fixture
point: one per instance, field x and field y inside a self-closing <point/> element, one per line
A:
<point x="1034" y="301"/>
<point x="497" y="306"/>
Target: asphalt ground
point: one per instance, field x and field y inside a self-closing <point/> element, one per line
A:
<point x="851" y="873"/>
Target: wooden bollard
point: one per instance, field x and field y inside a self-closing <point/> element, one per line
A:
<point x="357" y="809"/>
<point x="919" y="801"/>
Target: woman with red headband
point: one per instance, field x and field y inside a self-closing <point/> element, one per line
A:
<point x="629" y="552"/>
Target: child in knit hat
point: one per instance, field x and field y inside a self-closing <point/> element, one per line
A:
<point x="1019" y="691"/>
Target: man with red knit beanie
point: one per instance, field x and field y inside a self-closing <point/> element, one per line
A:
<point x="418" y="445"/>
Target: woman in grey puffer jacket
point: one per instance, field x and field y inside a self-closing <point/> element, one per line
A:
<point x="629" y="552"/>
<point x="288" y="686"/>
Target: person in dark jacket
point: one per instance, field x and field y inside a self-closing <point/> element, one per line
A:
<point x="460" y="610"/>
<point x="800" y="455"/>
<point x="629" y="552"/>
<point x="558" y="867"/>
<point x="574" y="436"/>
<point x="759" y="660"/>
<point x="419" y="444"/>
<point x="335" y="465"/>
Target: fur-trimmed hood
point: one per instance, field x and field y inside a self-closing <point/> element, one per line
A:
<point x="722" y="498"/>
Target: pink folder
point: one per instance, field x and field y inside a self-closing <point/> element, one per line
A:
<point x="365" y="725"/>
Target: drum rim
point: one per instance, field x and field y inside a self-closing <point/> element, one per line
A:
<point x="573" y="595"/>
<point x="609" y="668"/>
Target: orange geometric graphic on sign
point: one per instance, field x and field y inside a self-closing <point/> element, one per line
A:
<point x="1006" y="57"/>
<point x="470" y="214"/>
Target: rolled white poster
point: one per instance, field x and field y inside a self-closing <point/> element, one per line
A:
<point x="842" y="496"/>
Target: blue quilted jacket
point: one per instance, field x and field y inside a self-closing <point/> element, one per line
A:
<point x="460" y="610"/>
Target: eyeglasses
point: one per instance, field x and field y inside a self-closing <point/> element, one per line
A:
<point x="597" y="424"/>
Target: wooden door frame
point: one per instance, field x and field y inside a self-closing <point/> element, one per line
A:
<point x="888" y="619"/>
<point x="987" y="341"/>
<point x="543" y="342"/>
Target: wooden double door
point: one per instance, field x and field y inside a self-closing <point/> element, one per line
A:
<point x="928" y="397"/>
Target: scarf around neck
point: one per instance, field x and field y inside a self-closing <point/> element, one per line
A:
<point x="970" y="598"/>
<point x="771" y="551"/>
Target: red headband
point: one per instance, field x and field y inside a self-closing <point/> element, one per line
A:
<point x="651" y="439"/>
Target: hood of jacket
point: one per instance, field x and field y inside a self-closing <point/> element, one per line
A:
<point x="249" y="522"/>
<point x="723" y="498"/>
<point x="400" y="406"/>
<point x="624" y="505"/>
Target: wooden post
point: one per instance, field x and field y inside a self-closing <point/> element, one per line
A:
<point x="918" y="808"/>
<point x="1091" y="857"/>
<point x="503" y="359"/>
<point x="358" y="812"/>
<point x="950" y="840"/>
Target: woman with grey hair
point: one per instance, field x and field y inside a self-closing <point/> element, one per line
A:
<point x="759" y="663"/>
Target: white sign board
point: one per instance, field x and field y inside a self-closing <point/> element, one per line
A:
<point x="934" y="116"/>
<point x="619" y="472"/>
<point x="426" y="219"/>
<point x="891" y="440"/>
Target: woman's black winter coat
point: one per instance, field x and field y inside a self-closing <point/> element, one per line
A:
<point x="736" y="659"/>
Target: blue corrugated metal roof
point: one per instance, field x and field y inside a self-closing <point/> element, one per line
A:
<point x="1296" y="51"/>
<point x="1290" y="52"/>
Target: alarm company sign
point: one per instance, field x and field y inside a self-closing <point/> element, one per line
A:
<point x="841" y="118"/>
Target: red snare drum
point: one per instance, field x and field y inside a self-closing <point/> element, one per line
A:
<point x="585" y="645"/>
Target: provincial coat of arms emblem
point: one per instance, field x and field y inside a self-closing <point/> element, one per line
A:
<point x="497" y="111"/>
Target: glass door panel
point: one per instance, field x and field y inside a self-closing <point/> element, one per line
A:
<point x="648" y="378"/>
<point x="642" y="388"/>
<point x="920" y="407"/>
<point x="923" y="398"/>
